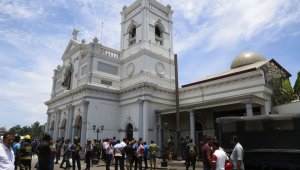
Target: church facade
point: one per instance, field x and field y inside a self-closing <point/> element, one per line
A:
<point x="118" y="89"/>
<point x="131" y="92"/>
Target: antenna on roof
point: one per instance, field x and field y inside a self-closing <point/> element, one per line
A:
<point x="101" y="33"/>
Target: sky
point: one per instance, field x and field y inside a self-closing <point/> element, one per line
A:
<point x="208" y="34"/>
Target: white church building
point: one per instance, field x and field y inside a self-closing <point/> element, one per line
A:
<point x="130" y="92"/>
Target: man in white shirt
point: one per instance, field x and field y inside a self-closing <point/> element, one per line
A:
<point x="122" y="160"/>
<point x="7" y="157"/>
<point x="237" y="154"/>
<point x="118" y="152"/>
<point x="219" y="157"/>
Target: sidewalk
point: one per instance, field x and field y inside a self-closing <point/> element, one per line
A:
<point x="172" y="165"/>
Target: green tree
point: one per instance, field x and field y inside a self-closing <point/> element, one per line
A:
<point x="26" y="130"/>
<point x="36" y="130"/>
<point x="297" y="86"/>
<point x="16" y="129"/>
<point x="282" y="91"/>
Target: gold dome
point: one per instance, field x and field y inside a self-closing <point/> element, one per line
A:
<point x="246" y="58"/>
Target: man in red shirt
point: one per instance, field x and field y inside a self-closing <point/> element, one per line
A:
<point x="207" y="153"/>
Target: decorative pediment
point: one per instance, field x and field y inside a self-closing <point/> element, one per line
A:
<point x="72" y="44"/>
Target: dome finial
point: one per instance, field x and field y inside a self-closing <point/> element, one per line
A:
<point x="246" y="58"/>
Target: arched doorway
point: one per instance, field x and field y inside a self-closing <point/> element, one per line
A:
<point x="51" y="129"/>
<point x="129" y="131"/>
<point x="77" y="127"/>
<point x="62" y="129"/>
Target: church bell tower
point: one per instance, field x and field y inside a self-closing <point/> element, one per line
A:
<point x="147" y="44"/>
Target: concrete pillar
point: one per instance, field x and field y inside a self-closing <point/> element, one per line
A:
<point x="141" y="118"/>
<point x="69" y="128"/>
<point x="145" y="120"/>
<point x="48" y="123"/>
<point x="265" y="109"/>
<point x="91" y="61"/>
<point x="192" y="125"/>
<point x="84" y="127"/>
<point x="57" y="123"/>
<point x="249" y="109"/>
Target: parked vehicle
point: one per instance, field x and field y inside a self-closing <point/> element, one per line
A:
<point x="269" y="141"/>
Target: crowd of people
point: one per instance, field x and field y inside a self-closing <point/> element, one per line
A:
<point x="15" y="153"/>
<point x="214" y="156"/>
<point x="123" y="154"/>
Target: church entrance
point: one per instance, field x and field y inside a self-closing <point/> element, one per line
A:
<point x="77" y="127"/>
<point x="199" y="137"/>
<point x="62" y="129"/>
<point x="51" y="129"/>
<point x="129" y="132"/>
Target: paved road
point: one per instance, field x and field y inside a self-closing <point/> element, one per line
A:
<point x="172" y="165"/>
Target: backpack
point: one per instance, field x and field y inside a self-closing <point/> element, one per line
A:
<point x="192" y="151"/>
<point x="153" y="148"/>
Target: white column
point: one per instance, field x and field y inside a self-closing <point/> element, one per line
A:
<point x="141" y="103"/>
<point x="69" y="127"/>
<point x="192" y="125"/>
<point x="266" y="108"/>
<point x="145" y="120"/>
<point x="249" y="109"/>
<point x="67" y="130"/>
<point x="95" y="40"/>
<point x="84" y="122"/>
<point x="48" y="123"/>
<point x="56" y="125"/>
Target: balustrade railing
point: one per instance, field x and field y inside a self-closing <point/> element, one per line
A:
<point x="136" y="10"/>
<point x="110" y="52"/>
<point x="154" y="9"/>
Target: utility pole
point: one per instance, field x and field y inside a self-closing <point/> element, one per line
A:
<point x="177" y="108"/>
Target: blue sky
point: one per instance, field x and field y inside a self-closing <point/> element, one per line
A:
<point x="208" y="34"/>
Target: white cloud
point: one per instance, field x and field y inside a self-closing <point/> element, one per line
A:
<point x="15" y="37"/>
<point x="226" y="23"/>
<point x="20" y="9"/>
<point x="27" y="90"/>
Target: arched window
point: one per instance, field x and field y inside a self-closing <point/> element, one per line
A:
<point x="157" y="32"/>
<point x="158" y="35"/>
<point x="132" y="35"/>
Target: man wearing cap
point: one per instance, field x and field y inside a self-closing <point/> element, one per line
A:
<point x="26" y="153"/>
<point x="44" y="153"/>
<point x="7" y="157"/>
